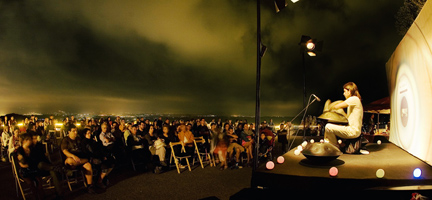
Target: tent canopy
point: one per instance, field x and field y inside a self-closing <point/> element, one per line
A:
<point x="380" y="106"/>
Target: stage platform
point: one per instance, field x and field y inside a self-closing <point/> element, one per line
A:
<point x="355" y="172"/>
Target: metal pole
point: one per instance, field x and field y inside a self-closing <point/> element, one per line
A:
<point x="258" y="82"/>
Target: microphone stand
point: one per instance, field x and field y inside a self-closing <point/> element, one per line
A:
<point x="304" y="123"/>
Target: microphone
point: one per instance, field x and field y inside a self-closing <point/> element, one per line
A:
<point x="316" y="97"/>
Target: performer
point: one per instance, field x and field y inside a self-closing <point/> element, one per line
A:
<point x="355" y="116"/>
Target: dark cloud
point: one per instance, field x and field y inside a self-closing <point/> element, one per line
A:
<point x="191" y="56"/>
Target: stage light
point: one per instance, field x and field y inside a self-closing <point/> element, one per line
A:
<point x="310" y="45"/>
<point x="300" y="148"/>
<point x="280" y="159"/>
<point x="417" y="172"/>
<point x="339" y="141"/>
<point x="312" y="141"/>
<point x="295" y="1"/>
<point x="322" y="141"/>
<point x="59" y="124"/>
<point x="270" y="165"/>
<point x="379" y="142"/>
<point x="304" y="144"/>
<point x="296" y="152"/>
<point x="333" y="171"/>
<point x="280" y="4"/>
<point x="380" y="173"/>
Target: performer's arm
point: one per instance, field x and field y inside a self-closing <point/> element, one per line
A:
<point x="339" y="105"/>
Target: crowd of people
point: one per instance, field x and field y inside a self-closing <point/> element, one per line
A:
<point x="99" y="145"/>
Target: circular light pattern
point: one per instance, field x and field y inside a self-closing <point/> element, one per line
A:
<point x="339" y="141"/>
<point x="333" y="171"/>
<point x="280" y="159"/>
<point x="312" y="141"/>
<point x="379" y="142"/>
<point x="270" y="165"/>
<point x="304" y="144"/>
<point x="300" y="148"/>
<point x="417" y="172"/>
<point x="322" y="141"/>
<point x="296" y="152"/>
<point x="310" y="45"/>
<point x="380" y="173"/>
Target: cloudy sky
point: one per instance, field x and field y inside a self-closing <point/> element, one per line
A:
<point x="189" y="56"/>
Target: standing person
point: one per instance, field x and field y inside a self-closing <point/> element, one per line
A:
<point x="247" y="136"/>
<point x="14" y="142"/>
<point x="371" y="125"/>
<point x="282" y="137"/>
<point x="222" y="141"/>
<point x="354" y="115"/>
<point x="6" y="136"/>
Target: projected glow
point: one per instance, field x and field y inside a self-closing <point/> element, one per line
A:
<point x="417" y="173"/>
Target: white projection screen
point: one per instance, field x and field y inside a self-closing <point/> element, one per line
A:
<point x="410" y="84"/>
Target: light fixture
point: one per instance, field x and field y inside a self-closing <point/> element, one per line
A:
<point x="280" y="4"/>
<point x="294" y="1"/>
<point x="310" y="45"/>
<point x="311" y="53"/>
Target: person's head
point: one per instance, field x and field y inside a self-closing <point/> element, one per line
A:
<point x="6" y="129"/>
<point x="16" y="131"/>
<point x="227" y="126"/>
<point x="34" y="137"/>
<point x="87" y="133"/>
<point x="182" y="127"/>
<point x="142" y="125"/>
<point x="165" y="129"/>
<point x="104" y="127"/>
<point x="151" y="129"/>
<point x="282" y="126"/>
<point x="72" y="132"/>
<point x="134" y="129"/>
<point x="230" y="130"/>
<point x="350" y="89"/>
<point x="262" y="136"/>
<point x="26" y="140"/>
<point x="213" y="125"/>
<point x="202" y="122"/>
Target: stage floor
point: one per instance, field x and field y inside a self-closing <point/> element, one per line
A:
<point x="355" y="172"/>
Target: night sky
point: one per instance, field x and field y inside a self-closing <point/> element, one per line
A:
<point x="190" y="56"/>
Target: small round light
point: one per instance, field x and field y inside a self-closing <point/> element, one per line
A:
<point x="379" y="142"/>
<point x="310" y="45"/>
<point x="322" y="141"/>
<point x="270" y="165"/>
<point x="417" y="172"/>
<point x="312" y="141"/>
<point x="304" y="144"/>
<point x="339" y="141"/>
<point x="280" y="159"/>
<point x="380" y="173"/>
<point x="333" y="171"/>
<point x="296" y="152"/>
<point x="300" y="148"/>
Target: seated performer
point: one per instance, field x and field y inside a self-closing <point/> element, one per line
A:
<point x="355" y="116"/>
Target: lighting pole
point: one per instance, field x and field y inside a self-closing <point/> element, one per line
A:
<point x="279" y="4"/>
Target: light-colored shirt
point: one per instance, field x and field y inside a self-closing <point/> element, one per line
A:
<point x="6" y="136"/>
<point x="355" y="113"/>
<point x="104" y="138"/>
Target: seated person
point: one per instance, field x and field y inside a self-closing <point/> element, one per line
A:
<point x="247" y="141"/>
<point x="156" y="146"/>
<point x="354" y="115"/>
<point x="137" y="147"/>
<point x="34" y="164"/>
<point x="14" y="142"/>
<point x="75" y="156"/>
<point x="98" y="156"/>
<point x="186" y="137"/>
<point x="263" y="144"/>
<point x="234" y="146"/>
<point x="221" y="141"/>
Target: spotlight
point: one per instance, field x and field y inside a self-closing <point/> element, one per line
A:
<point x="280" y="4"/>
<point x="295" y="1"/>
<point x="310" y="45"/>
<point x="311" y="53"/>
<point x="417" y="172"/>
<point x="270" y="165"/>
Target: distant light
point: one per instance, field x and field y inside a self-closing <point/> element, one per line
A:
<point x="295" y="1"/>
<point x="59" y="124"/>
<point x="380" y="173"/>
<point x="333" y="171"/>
<point x="270" y="165"/>
<point x="280" y="159"/>
<point x="311" y="53"/>
<point x="417" y="172"/>
<point x="78" y="124"/>
<point x="20" y="124"/>
<point x="379" y="142"/>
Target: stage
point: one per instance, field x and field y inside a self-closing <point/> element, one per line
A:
<point x="355" y="172"/>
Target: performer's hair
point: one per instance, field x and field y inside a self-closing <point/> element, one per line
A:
<point x="352" y="88"/>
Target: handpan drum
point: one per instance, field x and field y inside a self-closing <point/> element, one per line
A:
<point x="321" y="152"/>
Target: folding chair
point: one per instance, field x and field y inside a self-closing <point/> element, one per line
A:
<point x="207" y="155"/>
<point x="74" y="179"/>
<point x="46" y="180"/>
<point x="177" y="159"/>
